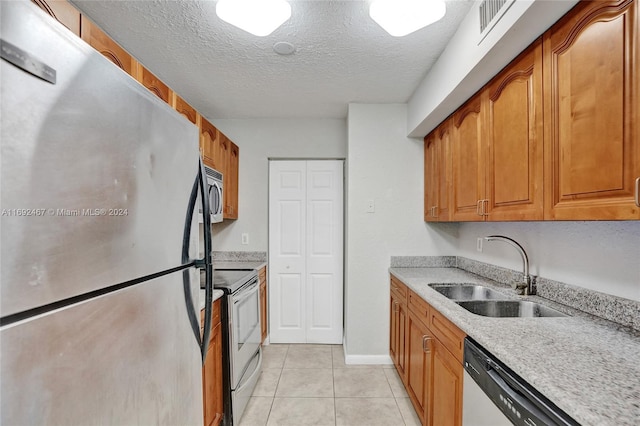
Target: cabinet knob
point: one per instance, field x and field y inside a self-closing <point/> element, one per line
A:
<point x="638" y="192"/>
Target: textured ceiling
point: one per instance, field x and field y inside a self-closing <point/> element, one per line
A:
<point x="341" y="56"/>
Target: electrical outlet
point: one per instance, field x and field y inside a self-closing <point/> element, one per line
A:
<point x="245" y="239"/>
<point x="479" y="244"/>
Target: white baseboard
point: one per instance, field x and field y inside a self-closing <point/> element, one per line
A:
<point x="366" y="359"/>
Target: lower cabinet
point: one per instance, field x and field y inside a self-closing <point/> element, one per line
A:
<point x="428" y="358"/>
<point x="419" y="366"/>
<point x="212" y="371"/>
<point x="397" y="335"/>
<point x="262" y="277"/>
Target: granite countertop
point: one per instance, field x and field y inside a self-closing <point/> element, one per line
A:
<point x="217" y="294"/>
<point x="587" y="366"/>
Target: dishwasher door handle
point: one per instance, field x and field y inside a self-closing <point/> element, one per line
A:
<point x="495" y="373"/>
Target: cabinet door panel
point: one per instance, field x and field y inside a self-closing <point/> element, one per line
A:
<point x="444" y="170"/>
<point x="402" y="327"/>
<point x="514" y="132"/>
<point x="591" y="112"/>
<point x="220" y="155"/>
<point x="447" y="384"/>
<point x="100" y="41"/>
<point x="231" y="182"/>
<point x="431" y="182"/>
<point x="467" y="154"/>
<point x="393" y="328"/>
<point x="209" y="138"/>
<point x="63" y="12"/>
<point x="186" y="110"/>
<point x="212" y="371"/>
<point x="398" y="320"/>
<point x="154" y="84"/>
<point x="418" y="367"/>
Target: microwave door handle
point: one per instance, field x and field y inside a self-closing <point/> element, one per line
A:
<point x="206" y="263"/>
<point x="218" y="192"/>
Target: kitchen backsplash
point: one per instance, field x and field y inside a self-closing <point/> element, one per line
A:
<point x="240" y="256"/>
<point x="613" y="308"/>
<point x="423" y="261"/>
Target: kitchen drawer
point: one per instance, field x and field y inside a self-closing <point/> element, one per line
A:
<point x="419" y="307"/>
<point x="447" y="333"/>
<point x="399" y="288"/>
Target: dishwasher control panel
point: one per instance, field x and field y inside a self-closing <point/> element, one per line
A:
<point x="519" y="402"/>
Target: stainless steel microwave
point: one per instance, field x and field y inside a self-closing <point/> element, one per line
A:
<point x="214" y="183"/>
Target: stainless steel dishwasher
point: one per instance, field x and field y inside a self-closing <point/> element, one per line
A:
<point x="493" y="395"/>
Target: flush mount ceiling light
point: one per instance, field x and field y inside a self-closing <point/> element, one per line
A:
<point x="258" y="17"/>
<point x="402" y="17"/>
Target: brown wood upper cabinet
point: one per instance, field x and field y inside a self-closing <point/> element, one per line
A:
<point x="186" y="110"/>
<point x="554" y="136"/>
<point x="497" y="146"/>
<point x="63" y="12"/>
<point x="154" y="84"/>
<point x="231" y="182"/>
<point x="100" y="41"/>
<point x="437" y="173"/>
<point x="219" y="153"/>
<point x="592" y="97"/>
<point x="209" y="139"/>
<point x="514" y="130"/>
<point x="468" y="161"/>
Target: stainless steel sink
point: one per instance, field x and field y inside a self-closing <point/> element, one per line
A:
<point x="509" y="309"/>
<point x="467" y="292"/>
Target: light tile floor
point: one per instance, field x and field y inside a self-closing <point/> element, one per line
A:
<point x="311" y="385"/>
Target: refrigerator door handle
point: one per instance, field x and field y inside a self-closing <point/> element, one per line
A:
<point x="206" y="262"/>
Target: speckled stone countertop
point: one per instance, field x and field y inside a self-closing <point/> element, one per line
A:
<point x="587" y="366"/>
<point x="238" y="265"/>
<point x="217" y="294"/>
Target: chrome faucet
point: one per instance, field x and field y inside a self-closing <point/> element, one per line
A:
<point x="526" y="286"/>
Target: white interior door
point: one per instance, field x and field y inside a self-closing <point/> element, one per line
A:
<point x="306" y="251"/>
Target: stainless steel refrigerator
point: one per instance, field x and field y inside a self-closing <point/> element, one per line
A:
<point x="100" y="275"/>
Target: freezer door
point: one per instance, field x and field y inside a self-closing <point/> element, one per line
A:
<point x="96" y="170"/>
<point x="126" y="358"/>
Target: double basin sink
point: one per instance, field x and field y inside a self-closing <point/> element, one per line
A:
<point x="485" y="301"/>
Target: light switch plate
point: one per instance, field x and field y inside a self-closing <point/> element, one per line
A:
<point x="245" y="239"/>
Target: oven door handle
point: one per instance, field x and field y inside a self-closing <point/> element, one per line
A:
<point x="248" y="292"/>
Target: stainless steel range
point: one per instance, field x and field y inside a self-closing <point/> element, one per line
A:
<point x="242" y="354"/>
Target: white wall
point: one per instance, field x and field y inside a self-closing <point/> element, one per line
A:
<point x="387" y="167"/>
<point x="259" y="140"/>
<point x="601" y="256"/>
<point x="466" y="64"/>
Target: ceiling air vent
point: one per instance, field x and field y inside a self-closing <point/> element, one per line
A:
<point x="490" y="13"/>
